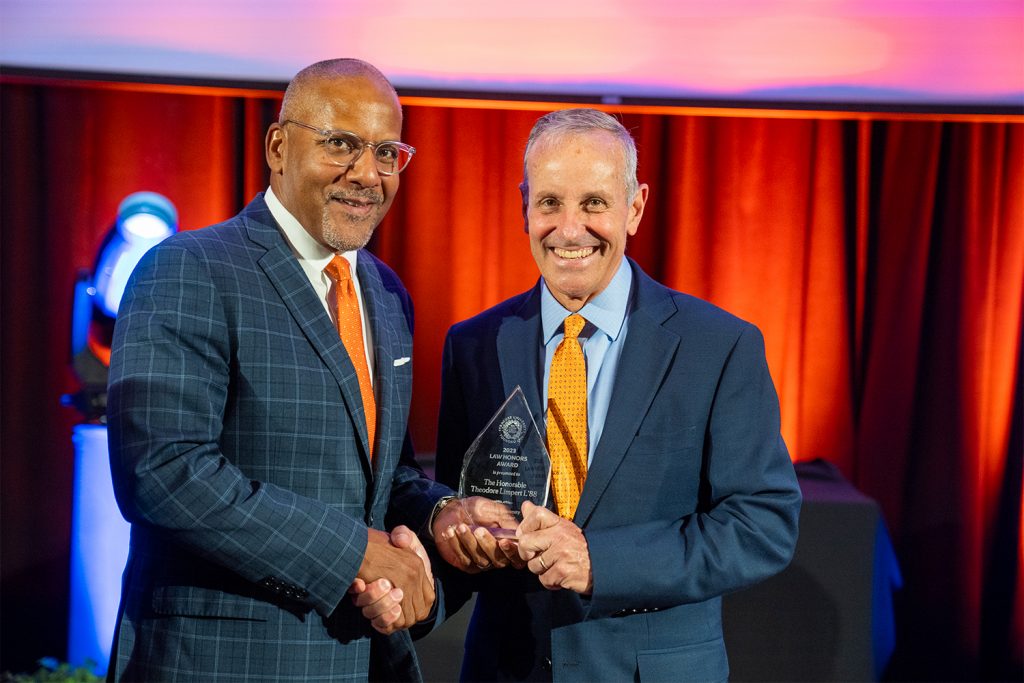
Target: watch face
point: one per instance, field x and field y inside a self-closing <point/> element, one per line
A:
<point x="441" y="504"/>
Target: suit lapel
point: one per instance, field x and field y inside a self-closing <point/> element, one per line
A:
<point x="519" y="348"/>
<point x="380" y="305"/>
<point x="287" y="277"/>
<point x="646" y="357"/>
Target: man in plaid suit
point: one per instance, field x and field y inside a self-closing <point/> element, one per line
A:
<point x="240" y="445"/>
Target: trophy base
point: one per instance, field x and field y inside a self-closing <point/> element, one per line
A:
<point x="499" y="532"/>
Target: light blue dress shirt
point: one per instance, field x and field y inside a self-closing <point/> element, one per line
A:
<point x="604" y="333"/>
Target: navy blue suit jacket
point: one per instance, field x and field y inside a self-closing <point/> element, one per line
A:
<point x="239" y="455"/>
<point x="690" y="494"/>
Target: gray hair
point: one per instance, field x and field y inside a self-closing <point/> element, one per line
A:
<point x="579" y="121"/>
<point x="345" y="67"/>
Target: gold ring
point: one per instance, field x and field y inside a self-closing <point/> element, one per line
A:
<point x="542" y="563"/>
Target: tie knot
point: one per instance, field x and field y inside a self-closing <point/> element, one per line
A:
<point x="574" y="325"/>
<point x="338" y="269"/>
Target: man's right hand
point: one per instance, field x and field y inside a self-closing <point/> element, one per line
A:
<point x="405" y="569"/>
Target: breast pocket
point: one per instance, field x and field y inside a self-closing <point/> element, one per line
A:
<point x="666" y="439"/>
<point x="663" y="467"/>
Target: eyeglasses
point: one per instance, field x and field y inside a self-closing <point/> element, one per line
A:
<point x="344" y="148"/>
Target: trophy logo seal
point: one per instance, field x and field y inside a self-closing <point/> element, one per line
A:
<point x="512" y="429"/>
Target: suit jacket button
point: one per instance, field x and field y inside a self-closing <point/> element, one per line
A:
<point x="546" y="664"/>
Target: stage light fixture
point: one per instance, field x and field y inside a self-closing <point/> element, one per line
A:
<point x="99" y="534"/>
<point x="144" y="219"/>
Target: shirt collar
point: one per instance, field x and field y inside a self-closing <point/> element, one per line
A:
<point x="606" y="311"/>
<point x="302" y="243"/>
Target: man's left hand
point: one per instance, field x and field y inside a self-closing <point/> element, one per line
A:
<point x="462" y="537"/>
<point x="555" y="550"/>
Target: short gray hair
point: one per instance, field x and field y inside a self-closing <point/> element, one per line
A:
<point x="580" y="121"/>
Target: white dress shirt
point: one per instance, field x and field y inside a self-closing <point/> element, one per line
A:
<point x="314" y="257"/>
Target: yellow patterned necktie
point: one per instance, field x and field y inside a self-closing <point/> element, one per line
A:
<point x="567" y="418"/>
<point x="350" y="327"/>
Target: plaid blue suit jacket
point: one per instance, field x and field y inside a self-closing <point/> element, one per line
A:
<point x="239" y="454"/>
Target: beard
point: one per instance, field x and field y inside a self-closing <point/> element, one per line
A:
<point x="350" y="232"/>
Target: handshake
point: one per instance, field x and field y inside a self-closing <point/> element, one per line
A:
<point x="395" y="585"/>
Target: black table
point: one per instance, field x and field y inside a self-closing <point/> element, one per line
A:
<point x="829" y="615"/>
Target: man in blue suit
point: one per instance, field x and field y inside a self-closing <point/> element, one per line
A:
<point x="257" y="454"/>
<point x="687" y="492"/>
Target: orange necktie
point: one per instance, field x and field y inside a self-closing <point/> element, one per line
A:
<point x="350" y="327"/>
<point x="567" y="418"/>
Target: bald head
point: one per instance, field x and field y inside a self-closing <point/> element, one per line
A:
<point x="308" y="81"/>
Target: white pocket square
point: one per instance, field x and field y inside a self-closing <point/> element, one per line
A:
<point x="402" y="361"/>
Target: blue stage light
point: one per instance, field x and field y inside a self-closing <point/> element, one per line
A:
<point x="143" y="220"/>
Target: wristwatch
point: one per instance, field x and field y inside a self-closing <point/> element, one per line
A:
<point x="440" y="505"/>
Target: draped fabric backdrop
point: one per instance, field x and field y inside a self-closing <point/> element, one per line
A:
<point x="882" y="257"/>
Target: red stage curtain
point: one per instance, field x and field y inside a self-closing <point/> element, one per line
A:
<point x="883" y="258"/>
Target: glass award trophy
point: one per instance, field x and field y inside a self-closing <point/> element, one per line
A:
<point x="508" y="461"/>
